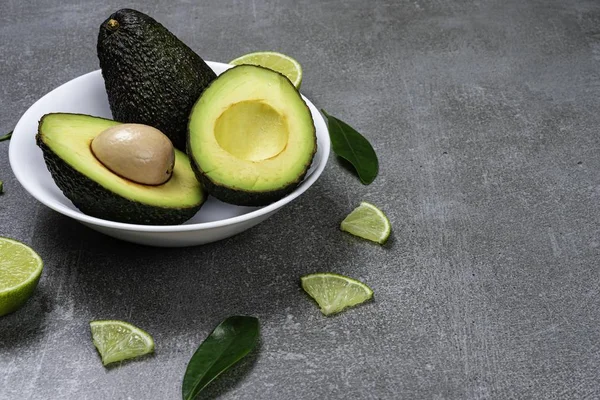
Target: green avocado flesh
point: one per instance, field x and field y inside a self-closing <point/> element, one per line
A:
<point x="251" y="136"/>
<point x="65" y="140"/>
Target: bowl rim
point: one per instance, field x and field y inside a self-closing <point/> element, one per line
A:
<point x="87" y="219"/>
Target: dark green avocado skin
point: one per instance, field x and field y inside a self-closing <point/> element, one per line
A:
<point x="151" y="77"/>
<point x="93" y="199"/>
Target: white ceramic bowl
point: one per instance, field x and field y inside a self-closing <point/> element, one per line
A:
<point x="214" y="221"/>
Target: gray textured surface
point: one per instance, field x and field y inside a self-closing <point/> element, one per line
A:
<point x="485" y="117"/>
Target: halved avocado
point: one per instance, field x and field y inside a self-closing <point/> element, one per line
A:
<point x="65" y="140"/>
<point x="251" y="136"/>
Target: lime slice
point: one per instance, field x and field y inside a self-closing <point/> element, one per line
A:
<point x="281" y="63"/>
<point x="20" y="271"/>
<point x="368" y="222"/>
<point x="118" y="340"/>
<point x="334" y="292"/>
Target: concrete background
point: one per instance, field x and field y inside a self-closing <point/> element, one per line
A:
<point x="484" y="114"/>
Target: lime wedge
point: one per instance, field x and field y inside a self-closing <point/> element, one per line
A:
<point x="20" y="271"/>
<point x="334" y="292"/>
<point x="118" y="340"/>
<point x="281" y="63"/>
<point x="368" y="222"/>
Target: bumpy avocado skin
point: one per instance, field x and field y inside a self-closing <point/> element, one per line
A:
<point x="151" y="77"/>
<point x="94" y="200"/>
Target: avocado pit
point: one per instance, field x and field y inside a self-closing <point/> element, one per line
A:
<point x="137" y="152"/>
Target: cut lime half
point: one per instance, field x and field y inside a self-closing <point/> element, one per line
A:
<point x="368" y="222"/>
<point x="281" y="63"/>
<point x="119" y="340"/>
<point x="20" y="271"/>
<point x="334" y="292"/>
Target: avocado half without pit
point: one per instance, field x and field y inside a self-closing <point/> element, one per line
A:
<point x="251" y="136"/>
<point x="119" y="172"/>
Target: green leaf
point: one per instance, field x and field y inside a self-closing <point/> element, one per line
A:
<point x="6" y="137"/>
<point x="3" y="138"/>
<point x="353" y="147"/>
<point x="233" y="339"/>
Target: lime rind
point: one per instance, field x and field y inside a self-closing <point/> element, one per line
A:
<point x="20" y="271"/>
<point x="368" y="222"/>
<point x="119" y="340"/>
<point x="334" y="293"/>
<point x="279" y="62"/>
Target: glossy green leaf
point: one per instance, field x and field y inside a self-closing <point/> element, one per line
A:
<point x="233" y="339"/>
<point x="6" y="137"/>
<point x="347" y="143"/>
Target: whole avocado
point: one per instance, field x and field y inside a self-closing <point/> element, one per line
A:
<point x="151" y="77"/>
